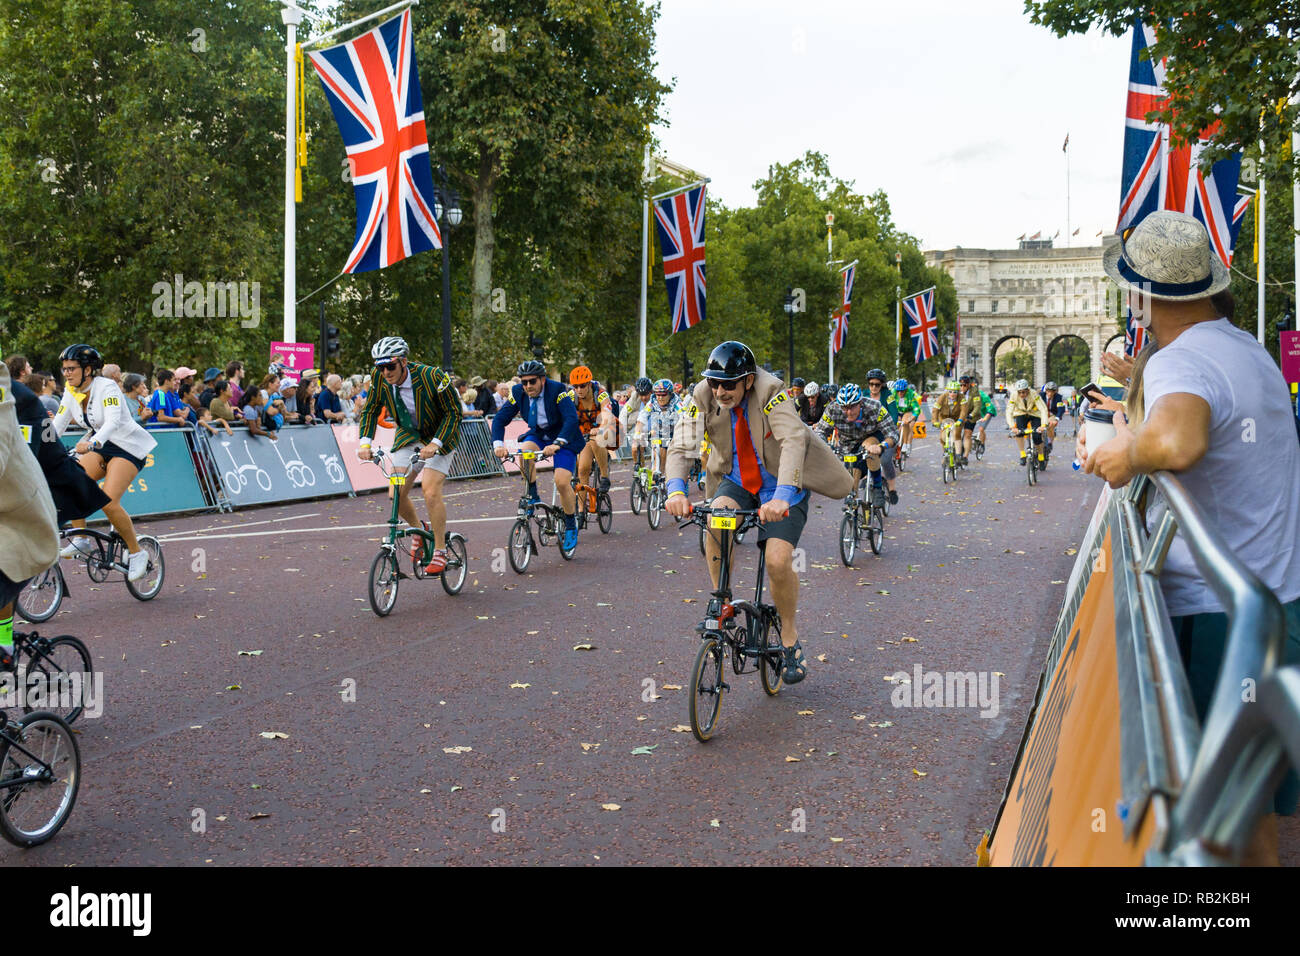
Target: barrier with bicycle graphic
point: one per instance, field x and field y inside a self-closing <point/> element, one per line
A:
<point x="303" y="462"/>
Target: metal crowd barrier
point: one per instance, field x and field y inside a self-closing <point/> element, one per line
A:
<point x="473" y="457"/>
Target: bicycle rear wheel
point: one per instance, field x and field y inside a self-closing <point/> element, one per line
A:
<point x="638" y="495"/>
<point x="707" y="688"/>
<point x="848" y="539"/>
<point x="147" y="588"/>
<point x="979" y="450"/>
<point x="604" y="512"/>
<point x="44" y="779"/>
<point x="453" y="578"/>
<point x="876" y="530"/>
<point x="521" y="546"/>
<point x="772" y="664"/>
<point x="383" y="582"/>
<point x="63" y="664"/>
<point x="40" y="599"/>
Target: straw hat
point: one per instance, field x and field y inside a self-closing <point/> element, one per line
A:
<point x="1167" y="256"/>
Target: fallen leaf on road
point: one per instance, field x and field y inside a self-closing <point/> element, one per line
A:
<point x="680" y="729"/>
<point x="610" y="806"/>
<point x="259" y="816"/>
<point x="454" y="789"/>
<point x="909" y="640"/>
<point x="643" y="717"/>
<point x="999" y="674"/>
<point x="1058" y="582"/>
<point x="588" y="747"/>
<point x="837" y="839"/>
<point x="821" y="658"/>
<point x="918" y="772"/>
<point x="534" y="632"/>
<point x="882" y="592"/>
<point x="688" y="600"/>
<point x="1071" y="550"/>
<point x="644" y="751"/>
<point x="883" y="723"/>
<point x="519" y="686"/>
<point x="584" y="647"/>
<point x="805" y="713"/>
<point x="241" y="654"/>
<point x="791" y="759"/>
<point x="459" y="749"/>
<point x="859" y="716"/>
<point x="603" y="604"/>
<point x="427" y="790"/>
<point x="273" y="735"/>
<point x="221" y="819"/>
<point x="234" y="687"/>
<point x="672" y="686"/>
<point x="715" y="823"/>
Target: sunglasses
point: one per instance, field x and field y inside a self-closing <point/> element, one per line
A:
<point x="386" y="366"/>
<point x="530" y="381"/>
<point x="724" y="386"/>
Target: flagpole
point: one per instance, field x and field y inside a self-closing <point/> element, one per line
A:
<point x="645" y="244"/>
<point x="291" y="16"/>
<point x="898" y="309"/>
<point x="1067" y="191"/>
<point x="1259" y="229"/>
<point x="356" y="23"/>
<point x="830" y="351"/>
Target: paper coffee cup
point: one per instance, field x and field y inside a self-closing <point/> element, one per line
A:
<point x="1099" y="428"/>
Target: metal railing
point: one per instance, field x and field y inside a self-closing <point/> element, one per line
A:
<point x="473" y="457"/>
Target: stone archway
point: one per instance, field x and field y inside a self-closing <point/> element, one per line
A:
<point x="1068" y="360"/>
<point x="1014" y="341"/>
<point x="1118" y="337"/>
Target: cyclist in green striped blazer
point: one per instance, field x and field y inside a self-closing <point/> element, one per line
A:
<point x="421" y="401"/>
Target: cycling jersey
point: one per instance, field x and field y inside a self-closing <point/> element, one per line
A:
<point x="845" y="437"/>
<point x="1032" y="406"/>
<point x="658" y="422"/>
<point x="907" y="402"/>
<point x="987" y="407"/>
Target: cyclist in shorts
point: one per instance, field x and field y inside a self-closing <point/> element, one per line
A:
<point x="548" y="408"/>
<point x="909" y="408"/>
<point x="656" y="423"/>
<point x="596" y="422"/>
<point x="423" y="403"/>
<point x="979" y="409"/>
<point x="1056" y="410"/>
<point x="951" y="407"/>
<point x="114" y="451"/>
<point x="1025" y="409"/>
<point x="880" y="394"/>
<point x="986" y="411"/>
<point x="632" y="411"/>
<point x="763" y="458"/>
<point x="859" y="425"/>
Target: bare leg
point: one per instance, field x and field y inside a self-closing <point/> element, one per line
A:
<point x="564" y="486"/>
<point x="713" y="543"/>
<point x="785" y="586"/>
<point x="120" y="474"/>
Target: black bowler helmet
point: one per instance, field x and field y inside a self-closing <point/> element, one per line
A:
<point x="798" y="383"/>
<point x="83" y="355"/>
<point x="730" y="361"/>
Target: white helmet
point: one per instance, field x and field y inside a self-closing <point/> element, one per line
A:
<point x="389" y="348"/>
<point x="811" y="389"/>
<point x="1022" y="385"/>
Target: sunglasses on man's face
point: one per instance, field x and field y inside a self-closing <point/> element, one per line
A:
<point x="387" y="366"/>
<point x="724" y="386"/>
<point x="530" y="381"/>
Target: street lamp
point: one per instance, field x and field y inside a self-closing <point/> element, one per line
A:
<point x="446" y="209"/>
<point x="788" y="304"/>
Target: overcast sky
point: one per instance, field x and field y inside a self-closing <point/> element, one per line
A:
<point x="956" y="108"/>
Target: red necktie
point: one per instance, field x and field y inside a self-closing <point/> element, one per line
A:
<point x="750" y="477"/>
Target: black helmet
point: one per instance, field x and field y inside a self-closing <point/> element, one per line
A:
<point x="798" y="383"/>
<point x="643" y="385"/>
<point x="730" y="361"/>
<point x="829" y="390"/>
<point x="531" y="367"/>
<point x="876" y="373"/>
<point x="83" y="355"/>
<point x="966" y="380"/>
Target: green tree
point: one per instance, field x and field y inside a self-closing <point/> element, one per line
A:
<point x="1012" y="364"/>
<point x="1068" y="362"/>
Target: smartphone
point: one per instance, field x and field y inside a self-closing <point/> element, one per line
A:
<point x="1092" y="391"/>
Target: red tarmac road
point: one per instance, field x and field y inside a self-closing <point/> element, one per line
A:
<point x="176" y="770"/>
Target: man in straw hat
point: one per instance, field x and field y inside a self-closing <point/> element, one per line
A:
<point x="1214" y="410"/>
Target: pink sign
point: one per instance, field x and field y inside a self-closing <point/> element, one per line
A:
<point x="364" y="475"/>
<point x="295" y="356"/>
<point x="1290" y="356"/>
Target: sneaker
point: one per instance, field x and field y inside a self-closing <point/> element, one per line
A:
<point x="1023" y="459"/>
<point x="137" y="565"/>
<point x="796" y="668"/>
<point x="893" y="497"/>
<point x="603" y="485"/>
<point x="964" y="461"/>
<point x="438" y="563"/>
<point x="78" y="546"/>
<point x="570" y="538"/>
<point x="417" y="544"/>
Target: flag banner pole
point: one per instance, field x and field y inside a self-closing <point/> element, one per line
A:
<point x="291" y="17"/>
<point x="1259" y="226"/>
<point x="830" y="357"/>
<point x="849" y="266"/>
<point x="356" y="23"/>
<point x="922" y="292"/>
<point x="682" y="189"/>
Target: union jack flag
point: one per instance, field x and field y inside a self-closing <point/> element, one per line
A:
<point x="374" y="91"/>
<point x="1135" y="337"/>
<point x="922" y="324"/>
<point x="680" y="223"/>
<point x="1160" y="175"/>
<point x="842" y="313"/>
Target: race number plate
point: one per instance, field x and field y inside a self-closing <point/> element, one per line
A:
<point x="658" y="441"/>
<point x="528" y="455"/>
<point x="397" y="479"/>
<point x="850" y="458"/>
<point x="723" y="522"/>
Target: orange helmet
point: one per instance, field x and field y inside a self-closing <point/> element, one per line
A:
<point x="580" y="376"/>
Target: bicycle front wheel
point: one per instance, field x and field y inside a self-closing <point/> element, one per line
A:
<point x="848" y="539"/>
<point x="383" y="582"/>
<point x="65" y="674"/>
<point x="604" y="513"/>
<point x="638" y="495"/>
<point x="707" y="686"/>
<point x="453" y="578"/>
<point x="42" y="782"/>
<point x="654" y="507"/>
<point x="147" y="588"/>
<point x="40" y="599"/>
<point x="979" y="451"/>
<point x="876" y="530"/>
<point x="521" y="546"/>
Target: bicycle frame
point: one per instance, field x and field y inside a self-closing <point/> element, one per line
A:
<point x="396" y="482"/>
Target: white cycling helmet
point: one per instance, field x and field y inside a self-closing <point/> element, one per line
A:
<point x="389" y="348"/>
<point x="811" y="389"/>
<point x="1022" y="385"/>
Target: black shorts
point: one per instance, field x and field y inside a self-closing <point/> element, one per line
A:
<point x="1023" y="422"/>
<point x="111" y="451"/>
<point x="787" y="529"/>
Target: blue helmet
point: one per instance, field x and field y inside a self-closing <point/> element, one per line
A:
<point x="849" y="395"/>
<point x="902" y="385"/>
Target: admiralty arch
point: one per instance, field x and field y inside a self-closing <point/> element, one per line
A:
<point x="1036" y="293"/>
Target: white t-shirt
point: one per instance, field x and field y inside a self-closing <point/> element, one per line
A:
<point x="1247" y="485"/>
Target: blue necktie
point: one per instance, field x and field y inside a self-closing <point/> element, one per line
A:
<point x="532" y="412"/>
